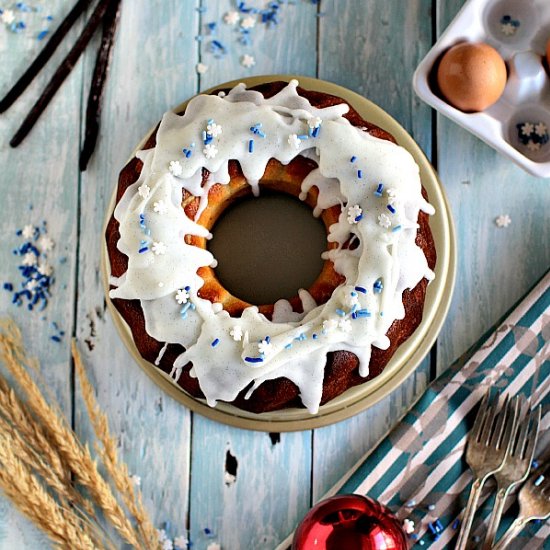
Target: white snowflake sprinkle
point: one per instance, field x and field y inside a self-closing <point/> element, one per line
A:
<point x="541" y="129"/>
<point x="314" y="122"/>
<point x="161" y="533"/>
<point x="214" y="129"/>
<point x="210" y="151"/>
<point x="28" y="232"/>
<point x="32" y="284"/>
<point x="144" y="190"/>
<point x="45" y="269"/>
<point x="345" y="325"/>
<point x="248" y="22"/>
<point x="384" y="220"/>
<point x="231" y="18"/>
<point x="248" y="61"/>
<point x="294" y="141"/>
<point x="329" y="325"/>
<point x="182" y="296"/>
<point x="503" y="220"/>
<point x="181" y="542"/>
<point x="532" y="146"/>
<point x="213" y="546"/>
<point x="161" y="285"/>
<point x="354" y="212"/>
<point x="159" y="248"/>
<point x="8" y="17"/>
<point x="136" y="480"/>
<point x="160" y="207"/>
<point x="392" y="195"/>
<point x="351" y="300"/>
<point x="408" y="526"/>
<point x="29" y="259"/>
<point x="527" y="128"/>
<point x="167" y="544"/>
<point x="201" y="68"/>
<point x="236" y="333"/>
<point x="265" y="348"/>
<point x="175" y="167"/>
<point x="45" y="244"/>
<point x="508" y="29"/>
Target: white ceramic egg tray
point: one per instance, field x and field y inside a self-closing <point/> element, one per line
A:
<point x="518" y="30"/>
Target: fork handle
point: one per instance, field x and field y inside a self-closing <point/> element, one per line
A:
<point x="494" y="522"/>
<point x="513" y="530"/>
<point x="469" y="513"/>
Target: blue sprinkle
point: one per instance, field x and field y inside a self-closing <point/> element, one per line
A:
<point x="396" y="229"/>
<point x="212" y="27"/>
<point x="251" y="146"/>
<point x="316" y="131"/>
<point x="538" y="481"/>
<point x="8" y="287"/>
<point x="55" y="338"/>
<point x="268" y="339"/>
<point x="439" y="525"/>
<point x="340" y="312"/>
<point x="353" y="159"/>
<point x="414" y="536"/>
<point x="215" y="342"/>
<point x="378" y="191"/>
<point x="253" y="359"/>
<point x="432" y="528"/>
<point x="142" y="250"/>
<point x="288" y="346"/>
<point x="303" y="136"/>
<point x="534" y="464"/>
<point x="188" y="288"/>
<point x="455" y="524"/>
<point x="314" y="336"/>
<point x="359" y="174"/>
<point x="354" y="315"/>
<point x="391" y="208"/>
<point x="361" y="289"/>
<point x="359" y="218"/>
<point x="378" y="286"/>
<point x="367" y="313"/>
<point x="42" y="34"/>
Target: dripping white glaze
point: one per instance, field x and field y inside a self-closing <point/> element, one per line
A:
<point x="356" y="170"/>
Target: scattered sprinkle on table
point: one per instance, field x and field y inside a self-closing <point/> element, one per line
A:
<point x="503" y="221"/>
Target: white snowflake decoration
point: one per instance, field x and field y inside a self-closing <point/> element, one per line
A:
<point x="329" y="325"/>
<point x="344" y="325"/>
<point x="8" y="17"/>
<point x="503" y="220"/>
<point x="294" y="141"/>
<point x="181" y="542"/>
<point x="45" y="269"/>
<point x="28" y="232"/>
<point x="231" y="18"/>
<point x="144" y="190"/>
<point x="354" y="212"/>
<point x="265" y="348"/>
<point x="541" y="129"/>
<point x="248" y="61"/>
<point x="214" y="129"/>
<point x="159" y="248"/>
<point x="508" y="29"/>
<point x="408" y="526"/>
<point x="392" y="195"/>
<point x="236" y="333"/>
<point x="210" y="151"/>
<point x="201" y="68"/>
<point x="182" y="296"/>
<point x="136" y="480"/>
<point x="532" y="146"/>
<point x="32" y="284"/>
<point x="384" y="220"/>
<point x="29" y="259"/>
<point x="45" y="244"/>
<point x="167" y="544"/>
<point x="527" y="128"/>
<point x="175" y="167"/>
<point x="314" y="122"/>
<point x="160" y="207"/>
<point x="351" y="299"/>
<point x="248" y="22"/>
<point x="161" y="533"/>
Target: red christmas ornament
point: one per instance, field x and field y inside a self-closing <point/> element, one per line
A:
<point x="350" y="522"/>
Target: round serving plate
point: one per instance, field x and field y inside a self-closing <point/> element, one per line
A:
<point x="408" y="356"/>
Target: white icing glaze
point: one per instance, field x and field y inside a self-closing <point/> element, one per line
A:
<point x="352" y="164"/>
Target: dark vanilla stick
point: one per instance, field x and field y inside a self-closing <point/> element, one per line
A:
<point x="99" y="78"/>
<point x="61" y="74"/>
<point x="42" y="58"/>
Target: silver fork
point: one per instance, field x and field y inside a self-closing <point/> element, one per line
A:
<point x="487" y="445"/>
<point x="534" y="503"/>
<point x="517" y="464"/>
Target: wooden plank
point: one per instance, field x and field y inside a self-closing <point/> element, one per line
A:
<point x="272" y="489"/>
<point x="496" y="266"/>
<point x="39" y="173"/>
<point x="378" y="63"/>
<point x="153" y="69"/>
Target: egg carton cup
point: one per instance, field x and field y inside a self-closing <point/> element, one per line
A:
<point x="519" y="31"/>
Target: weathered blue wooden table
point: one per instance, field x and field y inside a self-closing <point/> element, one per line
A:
<point x="370" y="47"/>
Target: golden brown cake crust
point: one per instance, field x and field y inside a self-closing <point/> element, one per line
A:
<point x="341" y="370"/>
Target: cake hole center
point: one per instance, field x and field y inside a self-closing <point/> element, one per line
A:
<point x="268" y="248"/>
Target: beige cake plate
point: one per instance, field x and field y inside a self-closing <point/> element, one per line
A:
<point x="408" y="356"/>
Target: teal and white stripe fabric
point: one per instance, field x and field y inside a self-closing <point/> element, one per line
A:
<point x="420" y="465"/>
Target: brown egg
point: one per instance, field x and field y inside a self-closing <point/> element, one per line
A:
<point x="471" y="77"/>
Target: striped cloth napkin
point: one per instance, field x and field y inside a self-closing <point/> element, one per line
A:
<point x="419" y="469"/>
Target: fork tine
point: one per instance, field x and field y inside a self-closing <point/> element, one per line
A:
<point x="478" y="423"/>
<point x="534" y="432"/>
<point x="503" y="418"/>
<point x="489" y="420"/>
<point x="511" y="426"/>
<point x="521" y="439"/>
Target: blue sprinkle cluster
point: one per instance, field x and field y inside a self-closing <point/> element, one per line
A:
<point x="539" y="138"/>
<point x="20" y="11"/>
<point x="36" y="275"/>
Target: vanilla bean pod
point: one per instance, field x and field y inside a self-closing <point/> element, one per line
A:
<point x="62" y="72"/>
<point x="42" y="58"/>
<point x="99" y="78"/>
